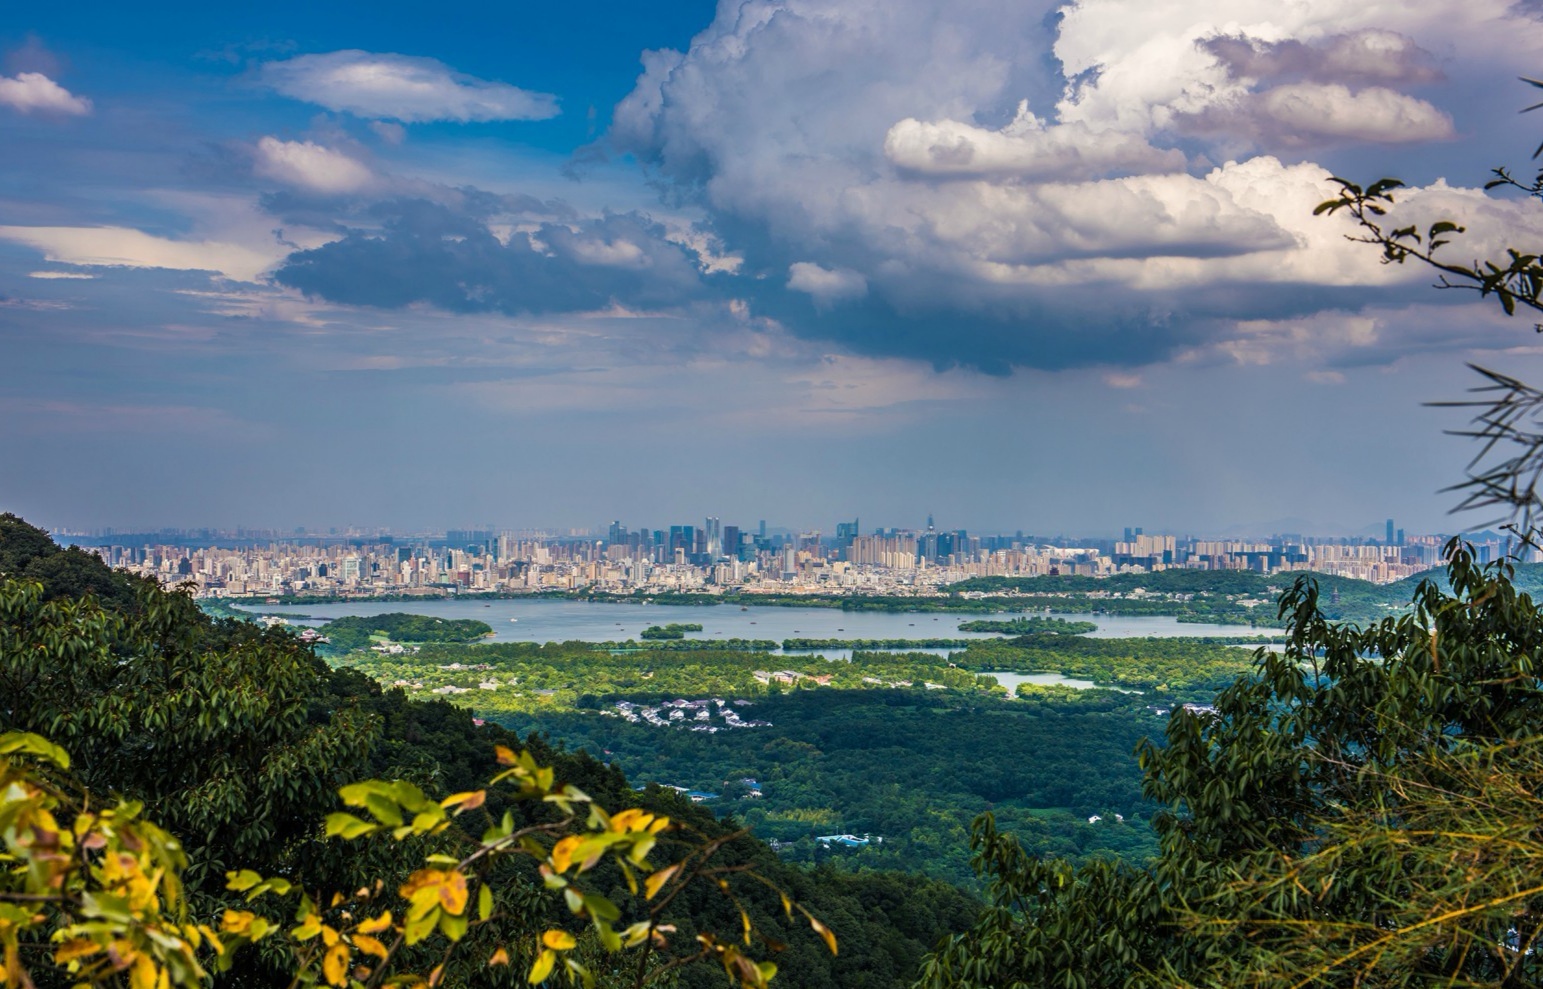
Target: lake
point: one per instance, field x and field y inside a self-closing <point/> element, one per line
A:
<point x="560" y="620"/>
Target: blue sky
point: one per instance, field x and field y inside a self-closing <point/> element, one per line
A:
<point x="1040" y="266"/>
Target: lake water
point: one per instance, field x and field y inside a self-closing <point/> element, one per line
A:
<point x="558" y="620"/>
<point x="1012" y="680"/>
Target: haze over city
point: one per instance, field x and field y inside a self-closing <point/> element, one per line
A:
<point x="1046" y="266"/>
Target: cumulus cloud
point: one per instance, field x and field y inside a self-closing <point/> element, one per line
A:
<point x="1037" y="184"/>
<point x="310" y="166"/>
<point x="1304" y="110"/>
<point x="33" y="92"/>
<point x="1311" y="113"/>
<point x="1024" y="149"/>
<point x="826" y="285"/>
<point x="404" y="88"/>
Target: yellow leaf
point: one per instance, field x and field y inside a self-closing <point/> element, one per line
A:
<point x="377" y="925"/>
<point x="825" y="934"/>
<point x="75" y="948"/>
<point x="543" y="967"/>
<point x="499" y="957"/>
<point x="470" y="800"/>
<point x="558" y="940"/>
<point x="335" y="965"/>
<point x="654" y="883"/>
<point x="506" y="758"/>
<point x="426" y="887"/>
<point x="484" y="902"/>
<point x="562" y="852"/>
<point x="143" y="974"/>
<point x="452" y="892"/>
<point x="370" y="946"/>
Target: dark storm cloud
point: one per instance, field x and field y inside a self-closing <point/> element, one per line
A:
<point x="427" y="252"/>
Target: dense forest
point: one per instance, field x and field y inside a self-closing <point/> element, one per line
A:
<point x="911" y="767"/>
<point x="348" y="634"/>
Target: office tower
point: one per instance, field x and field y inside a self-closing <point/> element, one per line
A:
<point x="714" y="538"/>
<point x="761" y="533"/>
<point x="731" y="541"/>
<point x="1389" y="539"/>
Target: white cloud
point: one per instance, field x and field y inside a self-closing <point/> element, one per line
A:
<point x="401" y="87"/>
<point x="1303" y="111"/>
<point x="124" y="247"/>
<point x="617" y="253"/>
<point x="31" y="92"/>
<point x="1024" y="149"/>
<point x="310" y="166"/>
<point x="826" y="285"/>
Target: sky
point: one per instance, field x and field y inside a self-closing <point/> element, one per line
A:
<point x="1040" y="266"/>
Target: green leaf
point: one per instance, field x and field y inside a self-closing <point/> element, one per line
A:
<point x="452" y="926"/>
<point x="341" y="824"/>
<point x="418" y="928"/>
<point x="34" y="745"/>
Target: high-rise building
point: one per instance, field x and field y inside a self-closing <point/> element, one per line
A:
<point x="1389" y="539"/>
<point x="714" y="537"/>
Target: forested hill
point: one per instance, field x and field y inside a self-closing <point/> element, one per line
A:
<point x="237" y="737"/>
<point x="1219" y="595"/>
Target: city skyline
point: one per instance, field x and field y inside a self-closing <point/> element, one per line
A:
<point x="1053" y="260"/>
<point x="837" y="529"/>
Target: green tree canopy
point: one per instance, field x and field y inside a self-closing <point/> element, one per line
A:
<point x="1331" y="760"/>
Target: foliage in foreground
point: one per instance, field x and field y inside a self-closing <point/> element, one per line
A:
<point x="98" y="892"/>
<point x="1364" y="810"/>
